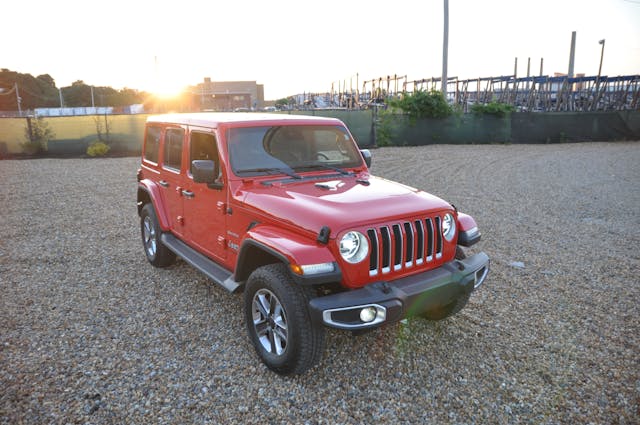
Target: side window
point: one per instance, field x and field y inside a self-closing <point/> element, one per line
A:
<point x="203" y="146"/>
<point x="173" y="148"/>
<point x="152" y="143"/>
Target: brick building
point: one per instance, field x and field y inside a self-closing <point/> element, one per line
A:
<point x="228" y="95"/>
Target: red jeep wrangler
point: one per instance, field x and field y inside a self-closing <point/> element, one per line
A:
<point x="283" y="208"/>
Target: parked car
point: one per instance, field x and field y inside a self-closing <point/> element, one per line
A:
<point x="286" y="210"/>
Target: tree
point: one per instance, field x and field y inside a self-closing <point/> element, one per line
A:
<point x="78" y="94"/>
<point x="34" y="92"/>
<point x="47" y="79"/>
<point x="37" y="135"/>
<point x="281" y="103"/>
<point x="41" y="92"/>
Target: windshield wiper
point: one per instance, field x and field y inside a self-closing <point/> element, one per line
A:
<point x="325" y="167"/>
<point x="270" y="171"/>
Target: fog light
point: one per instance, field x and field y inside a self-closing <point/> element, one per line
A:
<point x="368" y="314"/>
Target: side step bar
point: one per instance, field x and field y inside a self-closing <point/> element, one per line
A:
<point x="206" y="266"/>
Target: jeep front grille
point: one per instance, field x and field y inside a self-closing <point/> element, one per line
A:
<point x="406" y="244"/>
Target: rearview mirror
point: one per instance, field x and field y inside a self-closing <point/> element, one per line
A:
<point x="366" y="155"/>
<point x="204" y="171"/>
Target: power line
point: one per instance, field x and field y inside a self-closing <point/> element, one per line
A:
<point x="35" y="95"/>
<point x="13" y="89"/>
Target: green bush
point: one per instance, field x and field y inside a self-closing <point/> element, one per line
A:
<point x="493" y="108"/>
<point x="97" y="149"/>
<point x="385" y="124"/>
<point x="423" y="104"/>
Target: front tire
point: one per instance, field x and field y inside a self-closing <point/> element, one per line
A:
<point x="157" y="254"/>
<point x="279" y="323"/>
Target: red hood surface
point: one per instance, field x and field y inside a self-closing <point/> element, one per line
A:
<point x="338" y="202"/>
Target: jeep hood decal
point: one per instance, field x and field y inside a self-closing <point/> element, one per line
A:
<point x="340" y="202"/>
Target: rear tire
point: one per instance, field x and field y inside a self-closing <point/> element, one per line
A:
<point x="453" y="307"/>
<point x="157" y="253"/>
<point x="279" y="323"/>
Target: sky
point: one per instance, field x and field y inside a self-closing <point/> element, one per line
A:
<point x="296" y="46"/>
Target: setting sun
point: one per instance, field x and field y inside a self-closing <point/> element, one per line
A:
<point x="168" y="89"/>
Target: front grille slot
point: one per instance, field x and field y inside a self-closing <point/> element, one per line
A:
<point x="420" y="237"/>
<point x="398" y="245"/>
<point x="438" y="238"/>
<point x="373" y="259"/>
<point x="386" y="249"/>
<point x="404" y="245"/>
<point x="429" y="224"/>
<point x="408" y="230"/>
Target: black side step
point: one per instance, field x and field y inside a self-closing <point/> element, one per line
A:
<point x="205" y="265"/>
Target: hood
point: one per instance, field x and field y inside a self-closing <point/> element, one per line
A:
<point x="339" y="202"/>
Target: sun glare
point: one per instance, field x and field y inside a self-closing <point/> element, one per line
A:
<point x="168" y="90"/>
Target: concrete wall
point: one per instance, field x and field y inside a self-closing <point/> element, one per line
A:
<point x="74" y="134"/>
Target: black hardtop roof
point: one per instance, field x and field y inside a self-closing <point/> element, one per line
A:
<point x="212" y="119"/>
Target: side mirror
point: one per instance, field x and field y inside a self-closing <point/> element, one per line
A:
<point x="204" y="171"/>
<point x="366" y="155"/>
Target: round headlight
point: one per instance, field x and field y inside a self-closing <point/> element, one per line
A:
<point x="448" y="227"/>
<point x="354" y="247"/>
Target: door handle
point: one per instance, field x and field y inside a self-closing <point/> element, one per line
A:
<point x="187" y="193"/>
<point x="163" y="183"/>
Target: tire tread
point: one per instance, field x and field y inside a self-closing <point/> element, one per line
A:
<point x="295" y="298"/>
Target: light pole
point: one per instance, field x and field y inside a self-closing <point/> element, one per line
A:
<point x="18" y="100"/>
<point x="596" y="97"/>
<point x="445" y="49"/>
<point x="601" y="57"/>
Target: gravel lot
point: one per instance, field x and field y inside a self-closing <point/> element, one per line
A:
<point x="91" y="333"/>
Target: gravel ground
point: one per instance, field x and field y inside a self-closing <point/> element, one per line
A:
<point x="91" y="333"/>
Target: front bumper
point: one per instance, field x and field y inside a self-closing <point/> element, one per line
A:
<point x="389" y="302"/>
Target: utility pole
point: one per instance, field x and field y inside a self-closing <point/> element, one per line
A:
<point x="93" y="103"/>
<point x="350" y="92"/>
<point x="601" y="57"/>
<point x="597" y="93"/>
<point x="445" y="48"/>
<point x="18" y="100"/>
<point x="572" y="55"/>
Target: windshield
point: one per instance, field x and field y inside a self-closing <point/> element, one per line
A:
<point x="288" y="149"/>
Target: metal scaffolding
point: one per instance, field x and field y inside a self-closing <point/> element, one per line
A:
<point x="532" y="94"/>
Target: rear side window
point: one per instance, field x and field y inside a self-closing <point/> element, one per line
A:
<point x="152" y="144"/>
<point x="173" y="148"/>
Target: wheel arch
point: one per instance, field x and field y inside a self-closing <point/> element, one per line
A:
<point x="265" y="245"/>
<point x="254" y="254"/>
<point x="149" y="193"/>
<point x="143" y="199"/>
